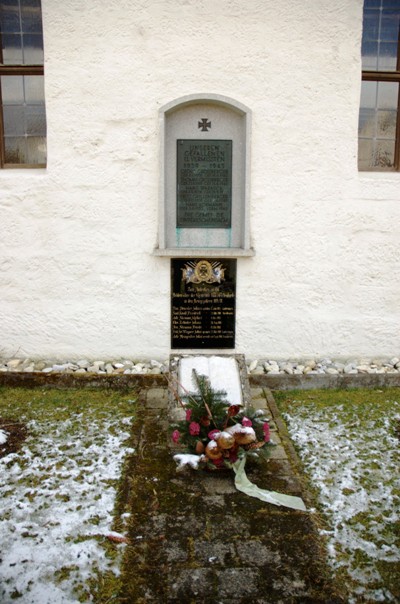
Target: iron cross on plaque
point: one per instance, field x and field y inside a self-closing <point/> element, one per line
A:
<point x="204" y="124"/>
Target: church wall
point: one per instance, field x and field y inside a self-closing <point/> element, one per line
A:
<point x="78" y="277"/>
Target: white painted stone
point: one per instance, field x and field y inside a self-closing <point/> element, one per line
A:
<point x="253" y="365"/>
<point x="40" y="365"/>
<point x="310" y="363"/>
<point x="83" y="363"/>
<point x="99" y="364"/>
<point x="14" y="363"/>
<point x="258" y="370"/>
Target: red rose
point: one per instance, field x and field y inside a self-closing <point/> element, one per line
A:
<point x="266" y="432"/>
<point x="175" y="436"/>
<point x="233" y="410"/>
<point x="194" y="428"/>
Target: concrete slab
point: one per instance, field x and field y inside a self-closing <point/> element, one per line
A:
<point x="196" y="539"/>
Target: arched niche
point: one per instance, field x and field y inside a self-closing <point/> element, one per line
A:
<point x="204" y="177"/>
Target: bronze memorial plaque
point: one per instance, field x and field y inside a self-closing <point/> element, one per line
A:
<point x="203" y="297"/>
<point x="204" y="184"/>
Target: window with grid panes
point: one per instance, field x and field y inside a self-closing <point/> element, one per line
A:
<point x="23" y="117"/>
<point x="379" y="123"/>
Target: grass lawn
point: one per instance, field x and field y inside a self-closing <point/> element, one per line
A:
<point x="58" y="488"/>
<point x="349" y="444"/>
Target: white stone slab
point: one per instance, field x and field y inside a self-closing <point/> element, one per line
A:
<point x="223" y="373"/>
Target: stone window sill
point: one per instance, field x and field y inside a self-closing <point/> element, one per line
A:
<point x="220" y="252"/>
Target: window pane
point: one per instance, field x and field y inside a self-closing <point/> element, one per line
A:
<point x="25" y="150"/>
<point x="380" y="35"/>
<point x="12" y="89"/>
<point x="377" y="125"/>
<point x="375" y="155"/>
<point x="13" y="120"/>
<point x="21" y="27"/>
<point x="15" y="150"/>
<point x="34" y="89"/>
<point x="369" y="55"/>
<point x="372" y="3"/>
<point x="9" y="17"/>
<point x="33" y="49"/>
<point x="22" y="89"/>
<point x="12" y="49"/>
<point x="36" y="150"/>
<point x="387" y="59"/>
<point x="31" y="17"/>
<point x="390" y="26"/>
<point x="35" y="120"/>
<point x="24" y="119"/>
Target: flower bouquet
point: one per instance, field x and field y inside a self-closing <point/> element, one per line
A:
<point x="215" y="433"/>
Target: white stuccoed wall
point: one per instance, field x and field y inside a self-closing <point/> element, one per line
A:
<point x="77" y="274"/>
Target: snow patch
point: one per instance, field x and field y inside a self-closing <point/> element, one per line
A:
<point x="3" y="437"/>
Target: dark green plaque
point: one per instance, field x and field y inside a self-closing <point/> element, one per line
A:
<point x="204" y="184"/>
<point x="203" y="301"/>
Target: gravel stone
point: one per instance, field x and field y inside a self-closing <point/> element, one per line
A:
<point x="155" y="367"/>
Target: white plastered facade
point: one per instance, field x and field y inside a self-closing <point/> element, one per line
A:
<point x="78" y="273"/>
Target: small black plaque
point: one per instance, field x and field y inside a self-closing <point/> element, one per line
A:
<point x="204" y="183"/>
<point x="203" y="300"/>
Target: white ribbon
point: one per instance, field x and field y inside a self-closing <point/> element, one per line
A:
<point x="243" y="484"/>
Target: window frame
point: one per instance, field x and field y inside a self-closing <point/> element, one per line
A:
<point x="387" y="76"/>
<point x="15" y="70"/>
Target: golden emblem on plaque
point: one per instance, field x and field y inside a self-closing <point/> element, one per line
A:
<point x="203" y="271"/>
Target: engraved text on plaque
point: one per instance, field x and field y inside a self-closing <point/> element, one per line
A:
<point x="203" y="296"/>
<point x="204" y="183"/>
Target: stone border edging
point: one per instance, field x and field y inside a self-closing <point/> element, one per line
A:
<point x="325" y="381"/>
<point x="122" y="381"/>
<point x="88" y="380"/>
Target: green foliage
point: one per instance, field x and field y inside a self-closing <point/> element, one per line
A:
<point x="207" y="410"/>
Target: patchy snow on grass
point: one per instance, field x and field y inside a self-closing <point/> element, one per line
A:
<point x="3" y="437"/>
<point x="352" y="456"/>
<point x="57" y="498"/>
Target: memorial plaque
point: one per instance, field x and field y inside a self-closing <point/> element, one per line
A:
<point x="204" y="184"/>
<point x="203" y="300"/>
